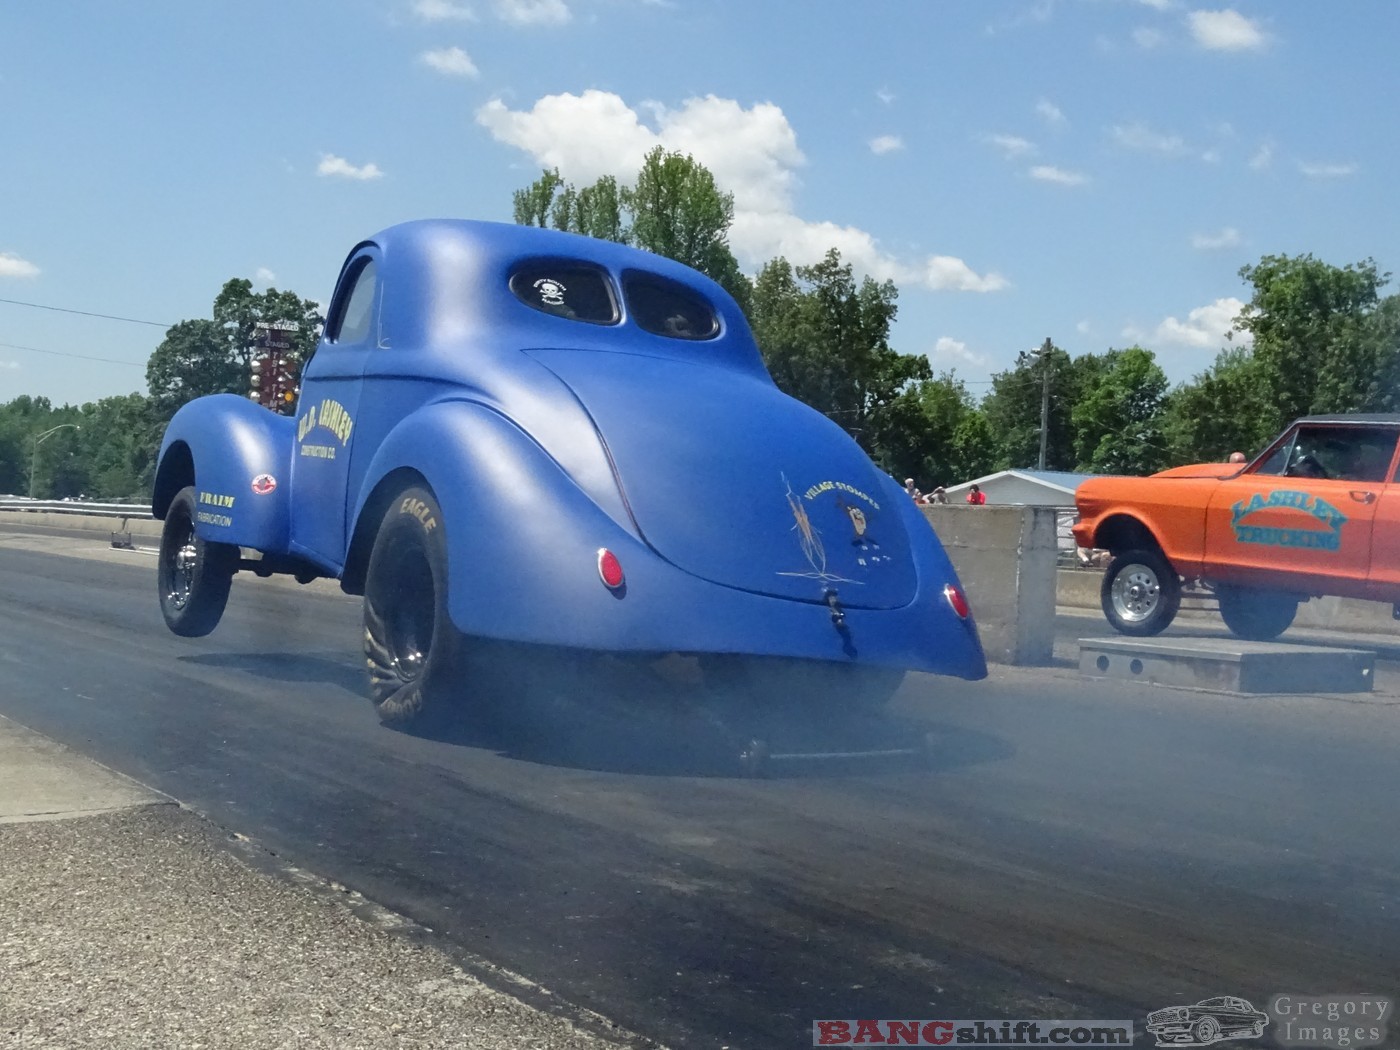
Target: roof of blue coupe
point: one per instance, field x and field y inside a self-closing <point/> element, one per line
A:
<point x="448" y="281"/>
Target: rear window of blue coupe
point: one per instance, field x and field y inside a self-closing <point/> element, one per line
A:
<point x="666" y="308"/>
<point x="566" y="289"/>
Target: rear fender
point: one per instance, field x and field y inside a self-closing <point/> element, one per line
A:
<point x="237" y="455"/>
<point x="522" y="537"/>
<point x="523" y="542"/>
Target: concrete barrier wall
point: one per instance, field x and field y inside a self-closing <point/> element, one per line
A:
<point x="1005" y="558"/>
<point x="1079" y="589"/>
<point x="141" y="526"/>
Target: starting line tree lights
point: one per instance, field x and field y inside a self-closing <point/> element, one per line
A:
<point x="274" y="372"/>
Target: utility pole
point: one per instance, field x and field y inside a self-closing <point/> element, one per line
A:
<point x="1044" y="354"/>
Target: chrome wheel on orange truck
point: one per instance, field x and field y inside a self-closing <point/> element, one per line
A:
<point x="1141" y="593"/>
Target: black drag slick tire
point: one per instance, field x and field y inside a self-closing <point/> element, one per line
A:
<point x="193" y="575"/>
<point x="412" y="650"/>
<point x="1253" y="614"/>
<point x="1140" y="594"/>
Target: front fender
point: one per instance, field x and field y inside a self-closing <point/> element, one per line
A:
<point x="523" y="543"/>
<point x="237" y="455"/>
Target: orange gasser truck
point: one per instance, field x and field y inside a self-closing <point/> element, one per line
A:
<point x="1315" y="513"/>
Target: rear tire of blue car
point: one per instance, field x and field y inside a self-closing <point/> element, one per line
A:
<point x="193" y="575"/>
<point x="412" y="650"/>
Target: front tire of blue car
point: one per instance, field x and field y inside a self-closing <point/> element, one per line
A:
<point x="412" y="649"/>
<point x="193" y="575"/>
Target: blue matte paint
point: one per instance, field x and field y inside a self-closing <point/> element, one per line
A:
<point x="731" y="506"/>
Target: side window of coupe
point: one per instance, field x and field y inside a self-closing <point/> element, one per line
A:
<point x="353" y="311"/>
<point x="666" y="308"/>
<point x="566" y="289"/>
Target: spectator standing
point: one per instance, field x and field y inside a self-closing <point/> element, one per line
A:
<point x="975" y="496"/>
<point x="913" y="490"/>
<point x="940" y="495"/>
<point x="1238" y="457"/>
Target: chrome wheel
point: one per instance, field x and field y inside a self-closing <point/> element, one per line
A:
<point x="182" y="574"/>
<point x="1136" y="593"/>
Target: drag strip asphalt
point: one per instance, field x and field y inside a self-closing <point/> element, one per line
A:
<point x="1074" y="849"/>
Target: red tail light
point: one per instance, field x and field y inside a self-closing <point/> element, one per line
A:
<point x="957" y="601"/>
<point x="610" y="569"/>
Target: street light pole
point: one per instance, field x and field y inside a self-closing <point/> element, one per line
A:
<point x="34" y="460"/>
<point x="1045" y="349"/>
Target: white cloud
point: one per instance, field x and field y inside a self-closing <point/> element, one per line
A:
<point x="1049" y="173"/>
<point x="443" y="11"/>
<point x="882" y="144"/>
<point x="1148" y="38"/>
<point x="1226" y="30"/>
<point x="1158" y="5"/>
<point x="886" y="96"/>
<point x="946" y="273"/>
<point x="1229" y="237"/>
<point x="1049" y="112"/>
<point x="752" y="154"/>
<point x="339" y="167"/>
<point x="450" y="61"/>
<point x="1205" y="327"/>
<point x="533" y="12"/>
<point x="1084" y="328"/>
<point x="12" y="265"/>
<point x="1326" y="171"/>
<point x="12" y="366"/>
<point x="1012" y="146"/>
<point x="264" y="276"/>
<point x="952" y="352"/>
<point x="1140" y="137"/>
<point x="1035" y="14"/>
<point x="1263" y="157"/>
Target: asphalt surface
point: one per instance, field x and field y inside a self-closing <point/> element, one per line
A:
<point x="1074" y="849"/>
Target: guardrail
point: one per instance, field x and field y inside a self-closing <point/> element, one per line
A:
<point x="82" y="507"/>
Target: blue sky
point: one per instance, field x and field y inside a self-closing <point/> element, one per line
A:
<point x="1096" y="171"/>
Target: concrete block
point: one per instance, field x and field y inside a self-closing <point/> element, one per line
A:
<point x="1005" y="559"/>
<point x="1229" y="665"/>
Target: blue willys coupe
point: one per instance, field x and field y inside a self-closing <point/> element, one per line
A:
<point x="510" y="433"/>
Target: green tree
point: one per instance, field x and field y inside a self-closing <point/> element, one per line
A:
<point x="238" y="311"/>
<point x="118" y="444"/>
<point x="947" y="440"/>
<point x="534" y="205"/>
<point x="1013" y="411"/>
<point x="1117" y="416"/>
<point x="1228" y="408"/>
<point x="825" y="339"/>
<point x="678" y="211"/>
<point x="1313" y="334"/>
<point x="674" y="209"/>
<point x="594" y="211"/>
<point x="194" y="359"/>
<point x="21" y="420"/>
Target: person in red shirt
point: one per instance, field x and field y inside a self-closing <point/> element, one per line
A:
<point x="976" y="497"/>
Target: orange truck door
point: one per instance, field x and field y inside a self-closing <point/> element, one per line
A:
<point x="1290" y="531"/>
<point x="1385" y="545"/>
